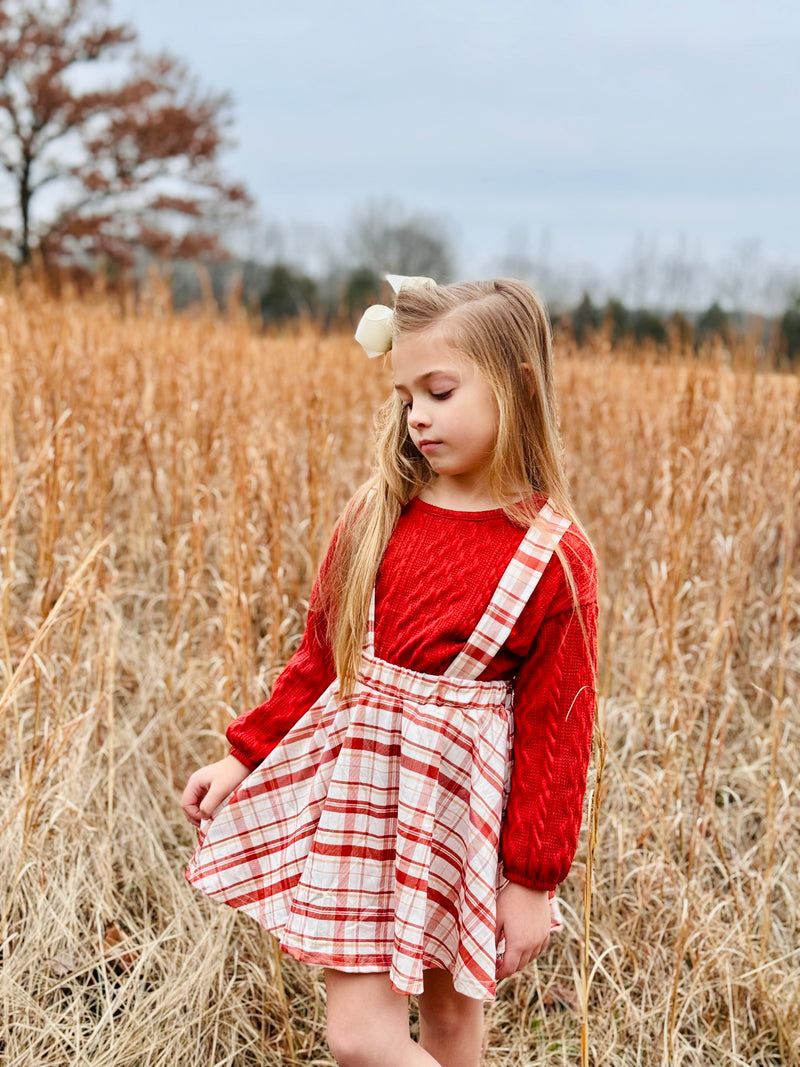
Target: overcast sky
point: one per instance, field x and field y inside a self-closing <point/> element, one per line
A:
<point x="595" y="135"/>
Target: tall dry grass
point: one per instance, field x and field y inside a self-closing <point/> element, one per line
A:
<point x="166" y="488"/>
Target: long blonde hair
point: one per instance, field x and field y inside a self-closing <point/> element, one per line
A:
<point x="504" y="327"/>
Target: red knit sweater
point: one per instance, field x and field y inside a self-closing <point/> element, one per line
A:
<point x="437" y="576"/>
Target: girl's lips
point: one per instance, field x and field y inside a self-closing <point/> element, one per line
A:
<point x="428" y="446"/>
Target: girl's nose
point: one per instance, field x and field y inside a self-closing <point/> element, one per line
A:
<point x="417" y="416"/>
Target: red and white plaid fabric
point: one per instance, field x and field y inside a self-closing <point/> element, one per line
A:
<point x="368" y="839"/>
<point x="513" y="593"/>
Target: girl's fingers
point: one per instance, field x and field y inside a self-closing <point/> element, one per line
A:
<point x="208" y="787"/>
<point x="212" y="800"/>
<point x="218" y="789"/>
<point x="193" y="794"/>
<point x="192" y="813"/>
<point x="508" y="965"/>
<point x="499" y="935"/>
<point x="514" y="960"/>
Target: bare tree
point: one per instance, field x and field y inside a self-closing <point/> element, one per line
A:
<point x="384" y="237"/>
<point x="131" y="163"/>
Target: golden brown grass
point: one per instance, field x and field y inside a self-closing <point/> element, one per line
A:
<point x="166" y="488"/>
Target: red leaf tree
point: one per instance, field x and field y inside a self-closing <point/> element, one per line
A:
<point x="130" y="162"/>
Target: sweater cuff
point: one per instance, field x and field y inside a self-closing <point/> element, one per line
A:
<point x="242" y="757"/>
<point x="531" y="883"/>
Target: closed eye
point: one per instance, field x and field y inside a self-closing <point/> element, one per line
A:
<point x="406" y="405"/>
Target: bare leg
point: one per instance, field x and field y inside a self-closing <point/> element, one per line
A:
<point x="368" y="1023"/>
<point x="450" y="1024"/>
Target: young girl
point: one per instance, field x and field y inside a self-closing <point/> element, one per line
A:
<point x="385" y="815"/>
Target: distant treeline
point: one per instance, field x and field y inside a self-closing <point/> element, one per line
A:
<point x="279" y="293"/>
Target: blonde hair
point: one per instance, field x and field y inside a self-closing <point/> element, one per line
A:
<point x="504" y="328"/>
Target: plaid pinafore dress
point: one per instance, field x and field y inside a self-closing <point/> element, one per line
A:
<point x="368" y="838"/>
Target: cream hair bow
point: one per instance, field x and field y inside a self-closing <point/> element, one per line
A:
<point x="374" y="332"/>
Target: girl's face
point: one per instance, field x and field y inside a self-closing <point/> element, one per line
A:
<point x="451" y="410"/>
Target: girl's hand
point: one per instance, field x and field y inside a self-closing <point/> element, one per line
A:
<point x="523" y="919"/>
<point x="208" y="787"/>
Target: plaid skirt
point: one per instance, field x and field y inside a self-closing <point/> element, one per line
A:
<point x="368" y="839"/>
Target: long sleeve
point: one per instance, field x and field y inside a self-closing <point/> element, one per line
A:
<point x="553" y="718"/>
<point x="304" y="679"/>
<point x="439" y="572"/>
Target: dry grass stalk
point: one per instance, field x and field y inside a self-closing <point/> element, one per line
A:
<point x="167" y="485"/>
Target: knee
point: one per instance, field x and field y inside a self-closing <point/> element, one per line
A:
<point x="367" y="1022"/>
<point x="350" y="1046"/>
<point x="443" y="1019"/>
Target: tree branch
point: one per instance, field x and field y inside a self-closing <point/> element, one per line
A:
<point x="142" y="150"/>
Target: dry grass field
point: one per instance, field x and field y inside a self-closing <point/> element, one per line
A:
<point x="167" y="484"/>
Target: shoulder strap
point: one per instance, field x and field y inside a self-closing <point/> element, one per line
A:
<point x="513" y="592"/>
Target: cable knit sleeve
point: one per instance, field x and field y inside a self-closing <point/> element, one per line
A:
<point x="304" y="679"/>
<point x="554" y="704"/>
